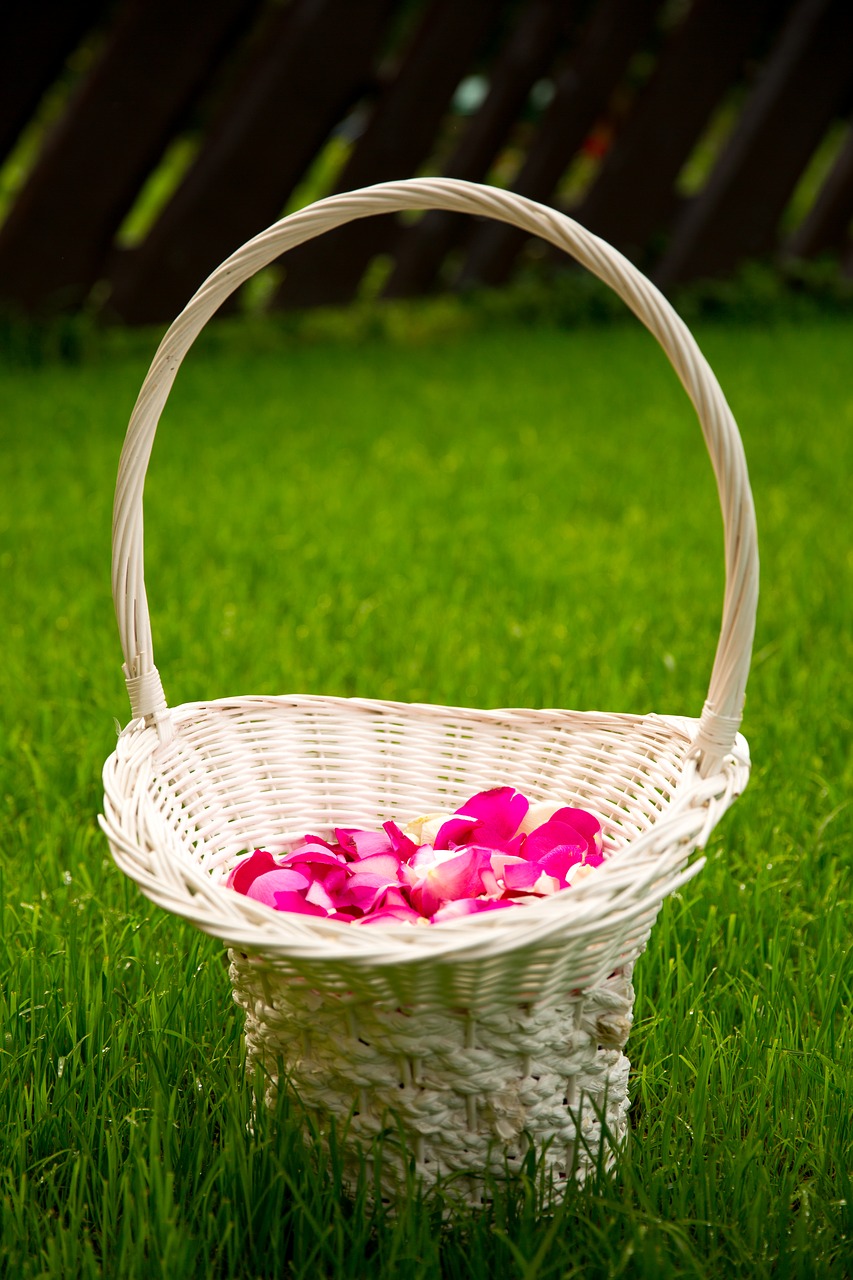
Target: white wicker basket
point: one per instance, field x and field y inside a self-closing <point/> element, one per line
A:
<point x="464" y="1042"/>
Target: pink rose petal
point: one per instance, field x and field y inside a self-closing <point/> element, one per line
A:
<point x="363" y="844"/>
<point x="392" y="915"/>
<point x="283" y="880"/>
<point x="456" y="877"/>
<point x="320" y="896"/>
<point x="386" y="866"/>
<point x="469" y="907"/>
<point x="521" y="876"/>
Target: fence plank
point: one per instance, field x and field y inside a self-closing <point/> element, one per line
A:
<point x="825" y="227"/>
<point x="58" y="233"/>
<point x="582" y="92"/>
<point x="803" y="84"/>
<point x="284" y="73"/>
<point x="35" y="41"/>
<point x="396" y="141"/>
<point x="528" y="53"/>
<point x="316" y="59"/>
<point x="700" y="62"/>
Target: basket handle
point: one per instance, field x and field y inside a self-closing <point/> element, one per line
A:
<point x="723" y="707"/>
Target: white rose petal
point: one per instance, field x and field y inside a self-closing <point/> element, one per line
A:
<point x="538" y="814"/>
<point x="423" y="830"/>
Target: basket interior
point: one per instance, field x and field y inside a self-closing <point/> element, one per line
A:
<point x="260" y="772"/>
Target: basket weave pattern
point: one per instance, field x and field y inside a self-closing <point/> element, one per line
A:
<point x="474" y="1090"/>
<point x="461" y="1042"/>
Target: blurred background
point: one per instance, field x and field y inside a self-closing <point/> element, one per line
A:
<point x="142" y="141"/>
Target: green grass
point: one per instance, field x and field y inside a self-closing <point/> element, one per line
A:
<point x="519" y="516"/>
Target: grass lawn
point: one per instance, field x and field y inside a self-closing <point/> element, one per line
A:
<point x="514" y="516"/>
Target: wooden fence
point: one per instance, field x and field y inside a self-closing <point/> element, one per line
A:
<point x="141" y="141"/>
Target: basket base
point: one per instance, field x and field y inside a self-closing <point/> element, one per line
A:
<point x="442" y="1094"/>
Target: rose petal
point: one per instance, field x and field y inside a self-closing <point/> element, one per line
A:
<point x="545" y="885"/>
<point x="469" y="907"/>
<point x="521" y="875"/>
<point x="295" y="902"/>
<point x="456" y="877"/>
<point x="560" y="861"/>
<point x="385" y="866"/>
<point x="314" y="856"/>
<point x="320" y="896"/>
<point x="393" y="915"/>
<point x="456" y="831"/>
<point x="317" y="841"/>
<point x="553" y="835"/>
<point x="363" y="844"/>
<point x="282" y="879"/>
<point x="423" y="830"/>
<point x="248" y="869"/>
<point x="586" y="823"/>
<point x="502" y="809"/>
<point x="402" y="846"/>
<point x="538" y="814"/>
<point x="460" y="832"/>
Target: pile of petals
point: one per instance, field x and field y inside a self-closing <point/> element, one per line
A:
<point x="495" y="851"/>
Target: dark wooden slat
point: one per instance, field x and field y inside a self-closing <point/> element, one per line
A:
<point x="802" y="86"/>
<point x="581" y="95"/>
<point x="529" y="51"/>
<point x="395" y="143"/>
<point x="35" y="41"/>
<point x="847" y="258"/>
<point x="825" y="227"/>
<point x="633" y="195"/>
<point x="317" y="59"/>
<point x="92" y="166"/>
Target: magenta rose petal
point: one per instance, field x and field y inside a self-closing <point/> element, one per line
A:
<point x="403" y="847"/>
<point x="288" y="901"/>
<point x="456" y="831"/>
<point x="248" y="869"/>
<point x="361" y="897"/>
<point x="394" y="897"/>
<point x="560" y="860"/>
<point x="554" y="834"/>
<point x="314" y="855"/>
<point x="584" y="823"/>
<point x="324" y="844"/>
<point x="502" y="809"/>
